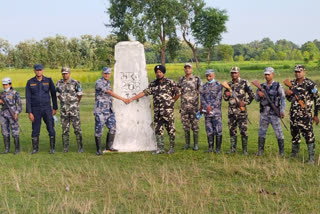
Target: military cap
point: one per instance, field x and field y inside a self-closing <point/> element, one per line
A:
<point x="268" y="70"/>
<point x="187" y="64"/>
<point x="6" y="81"/>
<point x="37" y="67"/>
<point x="234" y="69"/>
<point x="106" y="70"/>
<point x="299" y="68"/>
<point x="209" y="71"/>
<point x="65" y="70"/>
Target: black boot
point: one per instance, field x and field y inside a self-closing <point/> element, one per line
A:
<point x="261" y="141"/>
<point x="16" y="145"/>
<point x="65" y="143"/>
<point x="233" y="144"/>
<point x="311" y="153"/>
<point x="281" y="147"/>
<point x="6" y="142"/>
<point x="294" y="149"/>
<point x="79" y="143"/>
<point x="171" y="141"/>
<point x="52" y="144"/>
<point x="98" y="145"/>
<point x="218" y="143"/>
<point x="187" y="139"/>
<point x="109" y="143"/>
<point x="35" y="145"/>
<point x="160" y="145"/>
<point x="210" y="140"/>
<point x="244" y="141"/>
<point x="195" y="141"/>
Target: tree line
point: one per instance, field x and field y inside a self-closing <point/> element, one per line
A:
<point x="95" y="52"/>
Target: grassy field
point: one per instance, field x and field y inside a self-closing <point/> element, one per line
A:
<point x="184" y="182"/>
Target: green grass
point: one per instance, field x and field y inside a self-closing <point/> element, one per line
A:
<point x="184" y="182"/>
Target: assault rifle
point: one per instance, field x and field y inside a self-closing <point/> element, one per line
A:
<point x="294" y="92"/>
<point x="226" y="86"/>
<point x="273" y="106"/>
<point x="12" y="114"/>
<point x="5" y="103"/>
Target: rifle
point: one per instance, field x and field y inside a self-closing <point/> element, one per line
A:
<point x="226" y="86"/>
<point x="294" y="92"/>
<point x="12" y="114"/>
<point x="273" y="106"/>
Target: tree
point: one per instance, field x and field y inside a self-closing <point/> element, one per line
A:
<point x="312" y="50"/>
<point x="155" y="21"/>
<point x="225" y="52"/>
<point x="192" y="8"/>
<point x="208" y="26"/>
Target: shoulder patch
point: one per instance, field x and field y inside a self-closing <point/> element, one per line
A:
<point x="314" y="90"/>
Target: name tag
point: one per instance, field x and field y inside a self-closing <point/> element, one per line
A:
<point x="33" y="84"/>
<point x="45" y="83"/>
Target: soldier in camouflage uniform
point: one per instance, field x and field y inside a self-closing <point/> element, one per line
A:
<point x="103" y="113"/>
<point x="210" y="97"/>
<point x="69" y="93"/>
<point x="165" y="93"/>
<point x="189" y="86"/>
<point x="236" y="117"/>
<point x="267" y="115"/>
<point x="10" y="99"/>
<point x="301" y="118"/>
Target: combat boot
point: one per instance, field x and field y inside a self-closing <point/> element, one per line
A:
<point x="65" y="143"/>
<point x="160" y="145"/>
<point x="171" y="141"/>
<point x="244" y="141"/>
<point x="187" y="139"/>
<point x="294" y="149"/>
<point x="210" y="140"/>
<point x="98" y="145"/>
<point x="52" y="144"/>
<point x="311" y="153"/>
<point x="218" y="143"/>
<point x="109" y="143"/>
<point x="281" y="147"/>
<point x="79" y="143"/>
<point x="233" y="144"/>
<point x="261" y="141"/>
<point x="35" y="145"/>
<point x="195" y="141"/>
<point x="6" y="142"/>
<point x="16" y="145"/>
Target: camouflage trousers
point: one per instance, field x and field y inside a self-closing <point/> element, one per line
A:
<point x="8" y="123"/>
<point x="102" y="119"/>
<point x="264" y="122"/>
<point x="188" y="119"/>
<point x="68" y="117"/>
<point x="302" y="126"/>
<point x="240" y="121"/>
<point x="167" y="121"/>
<point x="213" y="126"/>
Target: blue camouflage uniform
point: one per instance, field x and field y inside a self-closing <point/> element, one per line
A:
<point x="211" y="95"/>
<point x="102" y="111"/>
<point x="38" y="102"/>
<point x="267" y="115"/>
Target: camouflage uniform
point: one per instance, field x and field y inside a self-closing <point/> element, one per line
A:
<point x="163" y="104"/>
<point x="211" y="95"/>
<point x="235" y="116"/>
<point x="268" y="116"/>
<point x="189" y="89"/>
<point x="301" y="118"/>
<point x="102" y="111"/>
<point x="69" y="110"/>
<point x="7" y="122"/>
<point x="13" y="99"/>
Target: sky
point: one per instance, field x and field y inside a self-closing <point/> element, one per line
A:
<point x="294" y="20"/>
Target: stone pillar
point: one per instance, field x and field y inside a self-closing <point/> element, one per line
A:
<point x="134" y="121"/>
